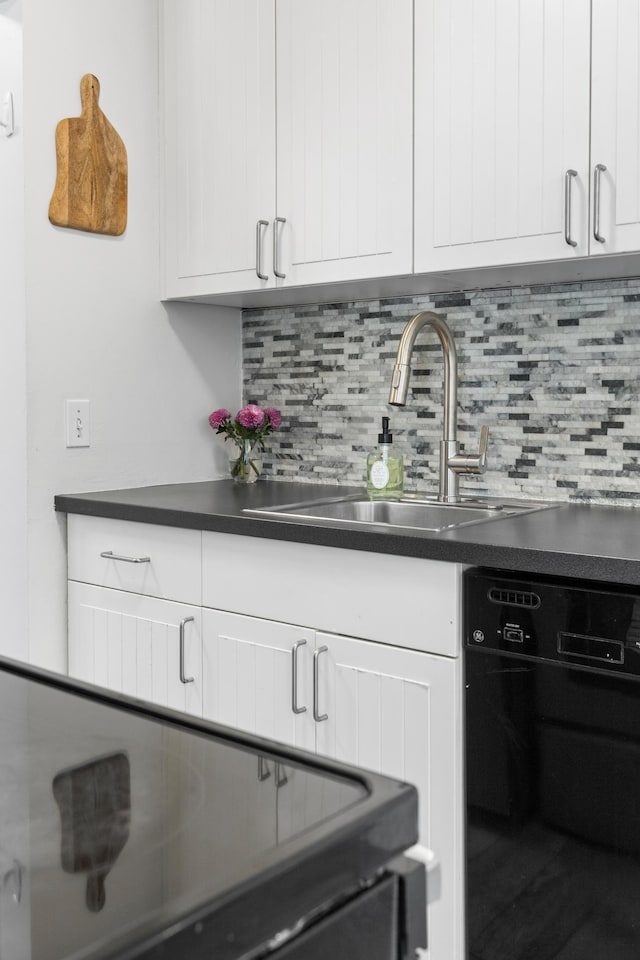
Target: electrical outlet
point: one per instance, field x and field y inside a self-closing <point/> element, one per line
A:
<point x="78" y="422"/>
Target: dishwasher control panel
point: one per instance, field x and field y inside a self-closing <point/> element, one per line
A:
<point x="573" y="621"/>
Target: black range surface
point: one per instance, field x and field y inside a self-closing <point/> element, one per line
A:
<point x="575" y="540"/>
<point x="130" y="831"/>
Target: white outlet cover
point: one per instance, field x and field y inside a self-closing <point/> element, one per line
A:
<point x="78" y="423"/>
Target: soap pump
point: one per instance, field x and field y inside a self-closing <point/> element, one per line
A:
<point x="385" y="469"/>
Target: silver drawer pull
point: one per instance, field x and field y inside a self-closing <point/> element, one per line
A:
<point x="110" y="555"/>
<point x="317" y="716"/>
<point x="183" y="678"/>
<point x="294" y="677"/>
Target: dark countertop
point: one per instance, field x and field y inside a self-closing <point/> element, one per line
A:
<point x="575" y="540"/>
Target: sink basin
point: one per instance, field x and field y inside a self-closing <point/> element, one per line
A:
<point x="410" y="512"/>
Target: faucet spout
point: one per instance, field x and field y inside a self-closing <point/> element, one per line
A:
<point x="402" y="369"/>
<point x="452" y="462"/>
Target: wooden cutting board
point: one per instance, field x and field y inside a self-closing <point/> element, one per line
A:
<point x="91" y="184"/>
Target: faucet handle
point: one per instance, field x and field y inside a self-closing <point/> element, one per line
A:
<point x="482" y="449"/>
<point x="468" y="463"/>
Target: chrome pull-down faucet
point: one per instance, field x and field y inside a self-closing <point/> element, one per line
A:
<point x="452" y="462"/>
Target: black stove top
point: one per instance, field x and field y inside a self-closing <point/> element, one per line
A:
<point x="128" y="829"/>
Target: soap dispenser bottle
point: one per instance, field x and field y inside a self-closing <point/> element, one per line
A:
<point x="385" y="469"/>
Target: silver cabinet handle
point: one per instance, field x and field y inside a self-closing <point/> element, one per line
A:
<point x="316" y="685"/>
<point x="276" y="268"/>
<point x="7" y="121"/>
<point x="597" y="173"/>
<point x="568" y="177"/>
<point x="281" y="776"/>
<point x="263" y="769"/>
<point x="110" y="555"/>
<point x="259" y="225"/>
<point x="183" y="678"/>
<point x="294" y="677"/>
<point x="482" y="451"/>
<point x="13" y="881"/>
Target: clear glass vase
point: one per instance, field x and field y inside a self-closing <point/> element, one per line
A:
<point x="245" y="463"/>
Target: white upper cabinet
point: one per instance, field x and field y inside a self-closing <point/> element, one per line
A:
<point x="218" y="108"/>
<point x="615" y="130"/>
<point x="502" y="117"/>
<point x="527" y="131"/>
<point x="310" y="142"/>
<point x="323" y="193"/>
<point x="344" y="138"/>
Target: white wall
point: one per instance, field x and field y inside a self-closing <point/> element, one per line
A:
<point x="13" y="463"/>
<point x="95" y="326"/>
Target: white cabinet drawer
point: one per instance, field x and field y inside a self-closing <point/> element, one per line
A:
<point x="402" y="601"/>
<point x="144" y="558"/>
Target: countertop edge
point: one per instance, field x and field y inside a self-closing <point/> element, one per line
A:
<point x="461" y="546"/>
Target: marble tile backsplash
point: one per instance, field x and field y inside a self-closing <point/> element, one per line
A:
<point x="553" y="370"/>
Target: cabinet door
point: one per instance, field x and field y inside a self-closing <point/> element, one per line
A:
<point x="615" y="130"/>
<point x="219" y="144"/>
<point x="136" y="645"/>
<point x="249" y="669"/>
<point x="399" y="712"/>
<point x="502" y="114"/>
<point x="344" y="139"/>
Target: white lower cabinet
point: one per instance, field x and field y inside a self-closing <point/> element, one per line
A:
<point x="139" y="646"/>
<point x="384" y="708"/>
<point x="247" y="676"/>
<point x="388" y="699"/>
<point x="398" y="712"/>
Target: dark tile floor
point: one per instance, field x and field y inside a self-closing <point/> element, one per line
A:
<point x="542" y="895"/>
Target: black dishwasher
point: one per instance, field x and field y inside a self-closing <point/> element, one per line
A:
<point x="552" y="674"/>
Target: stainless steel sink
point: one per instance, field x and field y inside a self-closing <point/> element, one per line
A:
<point x="411" y="512"/>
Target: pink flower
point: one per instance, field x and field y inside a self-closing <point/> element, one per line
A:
<point x="218" y="417"/>
<point x="250" y="416"/>
<point x="273" y="416"/>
